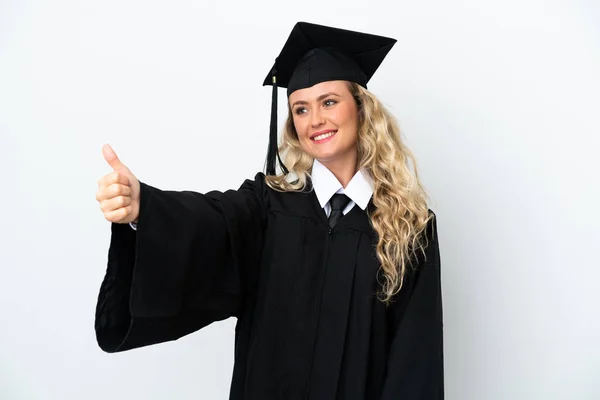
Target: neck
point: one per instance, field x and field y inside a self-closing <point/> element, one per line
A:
<point x="344" y="170"/>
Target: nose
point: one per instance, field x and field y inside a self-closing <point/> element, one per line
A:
<point x="317" y="119"/>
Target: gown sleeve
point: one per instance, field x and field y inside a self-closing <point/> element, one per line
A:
<point x="193" y="260"/>
<point x="415" y="368"/>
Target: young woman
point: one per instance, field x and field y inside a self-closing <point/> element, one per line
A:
<point x="331" y="266"/>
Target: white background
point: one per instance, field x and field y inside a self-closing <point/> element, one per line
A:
<point x="499" y="100"/>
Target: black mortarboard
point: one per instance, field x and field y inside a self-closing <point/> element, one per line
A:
<point x="316" y="53"/>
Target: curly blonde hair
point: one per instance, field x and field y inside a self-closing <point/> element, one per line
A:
<point x="401" y="213"/>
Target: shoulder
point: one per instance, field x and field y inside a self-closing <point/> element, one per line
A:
<point x="259" y="187"/>
<point x="431" y="228"/>
<point x="256" y="186"/>
<point x="256" y="183"/>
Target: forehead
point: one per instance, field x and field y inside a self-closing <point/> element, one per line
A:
<point x="311" y="93"/>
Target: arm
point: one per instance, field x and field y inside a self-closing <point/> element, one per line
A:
<point x="190" y="262"/>
<point x="415" y="367"/>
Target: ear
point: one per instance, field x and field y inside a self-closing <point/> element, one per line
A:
<point x="358" y="102"/>
<point x="360" y="108"/>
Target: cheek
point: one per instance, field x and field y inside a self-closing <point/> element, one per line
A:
<point x="348" y="118"/>
<point x="300" y="126"/>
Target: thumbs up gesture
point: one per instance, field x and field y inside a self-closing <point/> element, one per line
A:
<point x="118" y="191"/>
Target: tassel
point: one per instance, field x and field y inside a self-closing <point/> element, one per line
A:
<point x="272" y="150"/>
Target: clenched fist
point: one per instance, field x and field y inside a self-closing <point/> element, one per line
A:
<point x="119" y="191"/>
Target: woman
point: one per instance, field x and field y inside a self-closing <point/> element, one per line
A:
<point x="331" y="267"/>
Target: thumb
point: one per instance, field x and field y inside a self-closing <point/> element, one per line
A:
<point x="111" y="158"/>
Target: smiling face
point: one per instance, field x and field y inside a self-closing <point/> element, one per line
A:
<point x="326" y="121"/>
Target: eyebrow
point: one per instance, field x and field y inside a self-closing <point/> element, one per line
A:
<point x="321" y="97"/>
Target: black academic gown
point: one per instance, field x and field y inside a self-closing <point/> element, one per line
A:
<point x="309" y="325"/>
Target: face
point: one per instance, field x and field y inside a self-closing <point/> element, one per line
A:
<point x="326" y="120"/>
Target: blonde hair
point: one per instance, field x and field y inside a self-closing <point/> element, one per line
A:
<point x="401" y="212"/>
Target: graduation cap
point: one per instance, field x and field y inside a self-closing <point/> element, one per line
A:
<point x="317" y="53"/>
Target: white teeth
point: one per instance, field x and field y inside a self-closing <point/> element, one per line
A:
<point x="323" y="136"/>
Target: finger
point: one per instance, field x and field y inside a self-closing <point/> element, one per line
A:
<point x="111" y="158"/>
<point x="115" y="203"/>
<point x="113" y="190"/>
<point x="114" y="177"/>
<point x="119" y="215"/>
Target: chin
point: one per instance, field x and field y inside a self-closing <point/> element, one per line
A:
<point x="328" y="158"/>
<point x="327" y="153"/>
<point x="324" y="155"/>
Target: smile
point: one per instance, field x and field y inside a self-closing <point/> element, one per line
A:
<point x="322" y="136"/>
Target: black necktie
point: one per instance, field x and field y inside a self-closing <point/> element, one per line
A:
<point x="338" y="203"/>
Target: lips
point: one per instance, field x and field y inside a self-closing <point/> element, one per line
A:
<point x="322" y="135"/>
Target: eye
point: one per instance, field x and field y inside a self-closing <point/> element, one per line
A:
<point x="329" y="102"/>
<point x="300" y="110"/>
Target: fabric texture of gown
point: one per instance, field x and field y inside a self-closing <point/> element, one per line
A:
<point x="309" y="324"/>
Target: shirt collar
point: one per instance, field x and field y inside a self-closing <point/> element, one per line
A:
<point x="325" y="184"/>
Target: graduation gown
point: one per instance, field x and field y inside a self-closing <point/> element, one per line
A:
<point x="309" y="325"/>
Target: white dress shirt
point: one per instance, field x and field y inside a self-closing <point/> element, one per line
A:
<point x="325" y="184"/>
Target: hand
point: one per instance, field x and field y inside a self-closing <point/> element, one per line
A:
<point x="119" y="191"/>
